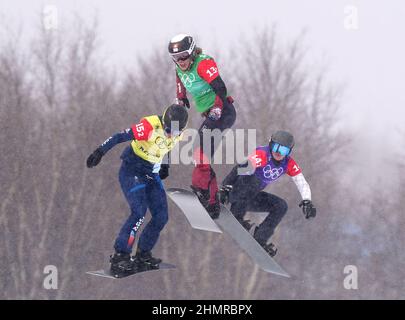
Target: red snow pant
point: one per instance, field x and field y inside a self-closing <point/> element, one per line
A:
<point x="203" y="176"/>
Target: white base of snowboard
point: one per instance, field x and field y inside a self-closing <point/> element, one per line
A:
<point x="247" y="243"/>
<point x="199" y="218"/>
<point x="107" y="274"/>
<point x="195" y="213"/>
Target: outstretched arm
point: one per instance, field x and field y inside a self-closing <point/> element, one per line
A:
<point x="302" y="186"/>
<point x="140" y="131"/>
<point x="308" y="208"/>
<point x="257" y="159"/>
<point x="296" y="174"/>
<point x="111" y="142"/>
<point x="95" y="158"/>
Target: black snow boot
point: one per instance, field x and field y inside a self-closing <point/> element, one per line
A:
<point x="121" y="265"/>
<point x="213" y="210"/>
<point x="270" y="249"/>
<point x="145" y="259"/>
<point x="245" y="223"/>
<point x="202" y="195"/>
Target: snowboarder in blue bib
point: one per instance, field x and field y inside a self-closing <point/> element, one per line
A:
<point x="244" y="185"/>
<point x="140" y="178"/>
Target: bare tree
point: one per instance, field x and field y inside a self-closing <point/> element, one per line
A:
<point x="17" y="137"/>
<point x="58" y="103"/>
<point x="47" y="101"/>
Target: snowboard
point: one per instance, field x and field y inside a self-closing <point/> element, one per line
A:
<point x="188" y="203"/>
<point x="107" y="273"/>
<point x="247" y="243"/>
<point x="195" y="213"/>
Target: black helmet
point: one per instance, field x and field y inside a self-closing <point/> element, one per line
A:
<point x="181" y="47"/>
<point x="281" y="139"/>
<point x="175" y="118"/>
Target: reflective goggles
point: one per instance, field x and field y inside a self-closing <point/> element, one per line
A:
<point x="180" y="56"/>
<point x="278" y="148"/>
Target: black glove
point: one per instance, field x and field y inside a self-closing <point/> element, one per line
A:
<point x="308" y="209"/>
<point x="184" y="102"/>
<point x="213" y="210"/>
<point x="223" y="194"/>
<point x="164" y="171"/>
<point x="95" y="158"/>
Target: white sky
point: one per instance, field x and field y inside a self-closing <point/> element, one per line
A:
<point x="369" y="60"/>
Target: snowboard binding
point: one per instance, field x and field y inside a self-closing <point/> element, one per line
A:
<point x="270" y="249"/>
<point x="245" y="223"/>
<point x="145" y="261"/>
<point x="203" y="196"/>
<point x="121" y="265"/>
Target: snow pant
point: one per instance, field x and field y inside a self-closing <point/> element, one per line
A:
<point x="203" y="175"/>
<point x="142" y="189"/>
<point x="262" y="202"/>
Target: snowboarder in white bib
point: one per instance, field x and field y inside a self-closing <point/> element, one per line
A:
<point x="244" y="185"/>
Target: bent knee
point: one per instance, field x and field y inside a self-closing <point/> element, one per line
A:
<point x="283" y="206"/>
<point x="160" y="222"/>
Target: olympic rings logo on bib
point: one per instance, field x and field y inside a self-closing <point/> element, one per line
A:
<point x="272" y="173"/>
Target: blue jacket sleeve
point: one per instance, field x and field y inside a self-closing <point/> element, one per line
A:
<point x="126" y="135"/>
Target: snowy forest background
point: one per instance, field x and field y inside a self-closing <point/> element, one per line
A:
<point x="59" y="101"/>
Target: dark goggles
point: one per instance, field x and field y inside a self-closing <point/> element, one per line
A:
<point x="278" y="148"/>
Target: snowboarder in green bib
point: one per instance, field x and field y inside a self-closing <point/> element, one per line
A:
<point x="198" y="75"/>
